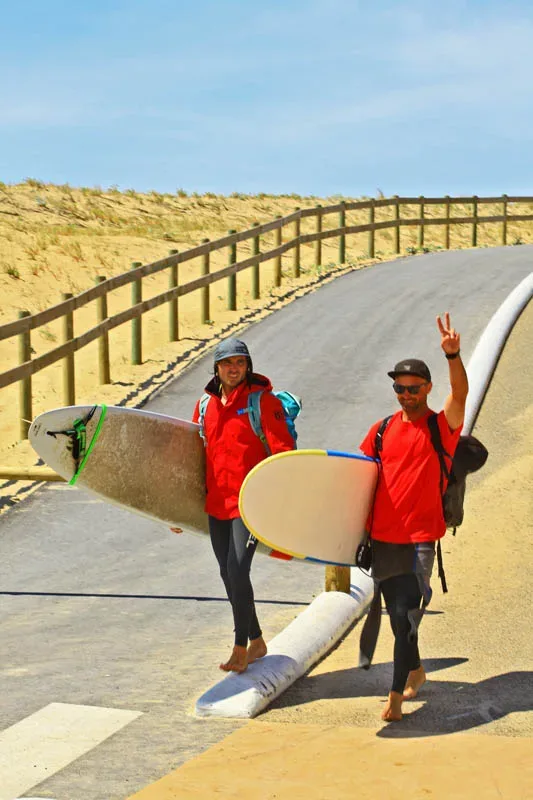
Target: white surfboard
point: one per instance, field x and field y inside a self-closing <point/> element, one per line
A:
<point x="145" y="462"/>
<point x="310" y="504"/>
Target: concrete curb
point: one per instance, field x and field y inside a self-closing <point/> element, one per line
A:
<point x="290" y="654"/>
<point x="489" y="347"/>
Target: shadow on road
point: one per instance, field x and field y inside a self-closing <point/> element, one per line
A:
<point x="150" y="597"/>
<point x="460" y="706"/>
<point x="448" y="706"/>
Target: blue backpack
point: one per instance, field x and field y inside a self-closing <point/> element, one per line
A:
<point x="291" y="404"/>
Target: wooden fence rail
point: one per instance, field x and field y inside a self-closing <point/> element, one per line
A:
<point x="23" y="326"/>
<point x="54" y="312"/>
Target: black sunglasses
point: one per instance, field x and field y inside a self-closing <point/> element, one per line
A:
<point x="399" y="388"/>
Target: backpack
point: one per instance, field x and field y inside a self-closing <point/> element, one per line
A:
<point x="470" y="455"/>
<point x="291" y="404"/>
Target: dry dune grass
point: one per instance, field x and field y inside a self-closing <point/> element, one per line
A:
<point x="58" y="239"/>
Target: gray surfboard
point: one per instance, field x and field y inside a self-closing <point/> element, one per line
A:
<point x="142" y="461"/>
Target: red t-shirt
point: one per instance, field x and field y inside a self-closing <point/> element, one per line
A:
<point x="408" y="504"/>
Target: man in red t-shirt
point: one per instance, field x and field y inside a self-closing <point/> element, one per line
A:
<point x="407" y="517"/>
<point x="232" y="450"/>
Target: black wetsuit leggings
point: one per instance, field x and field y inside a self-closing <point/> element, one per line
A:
<point x="234" y="548"/>
<point x="402" y="594"/>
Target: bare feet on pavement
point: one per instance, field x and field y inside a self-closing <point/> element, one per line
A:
<point x="393" y="709"/>
<point x="238" y="660"/>
<point x="257" y="649"/>
<point x="415" y="680"/>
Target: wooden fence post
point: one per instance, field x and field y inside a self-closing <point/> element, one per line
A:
<point x="278" y="240"/>
<point x="232" y="279"/>
<point x="421" y="226"/>
<point x="206" y="313"/>
<point x="296" y="251"/>
<point x="337" y="579"/>
<point x="25" y="395"/>
<point x="447" y="226"/>
<point x="474" y="223"/>
<point x="136" y="324"/>
<point x="104" y="373"/>
<point x="256" y="278"/>
<point x="371" y="233"/>
<point x="68" y="362"/>
<point x="397" y="228"/>
<point x="342" y="237"/>
<point x="504" y="223"/>
<point x="318" y="243"/>
<point x="173" y="319"/>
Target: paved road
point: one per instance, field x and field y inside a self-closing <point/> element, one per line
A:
<point x="103" y="608"/>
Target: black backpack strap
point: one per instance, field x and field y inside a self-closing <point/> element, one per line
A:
<point x="378" y="441"/>
<point x="440" y="565"/>
<point x="436" y="441"/>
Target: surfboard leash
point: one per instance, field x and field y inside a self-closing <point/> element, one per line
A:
<point x="78" y="436"/>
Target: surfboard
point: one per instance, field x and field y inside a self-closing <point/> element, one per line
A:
<point x="148" y="463"/>
<point x="145" y="462"/>
<point x="310" y="504"/>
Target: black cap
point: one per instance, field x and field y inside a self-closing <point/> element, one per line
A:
<point x="411" y="366"/>
<point x="231" y="347"/>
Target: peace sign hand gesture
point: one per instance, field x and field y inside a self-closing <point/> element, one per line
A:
<point x="450" y="339"/>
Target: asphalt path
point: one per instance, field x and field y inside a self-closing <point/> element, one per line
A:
<point x="102" y="607"/>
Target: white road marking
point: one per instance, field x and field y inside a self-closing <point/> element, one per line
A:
<point x="45" y="742"/>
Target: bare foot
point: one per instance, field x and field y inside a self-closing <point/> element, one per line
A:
<point x="238" y="660"/>
<point x="415" y="680"/>
<point x="257" y="649"/>
<point x="393" y="709"/>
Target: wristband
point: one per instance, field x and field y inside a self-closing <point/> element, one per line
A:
<point x="450" y="356"/>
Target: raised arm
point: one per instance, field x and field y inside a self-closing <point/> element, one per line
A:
<point x="454" y="407"/>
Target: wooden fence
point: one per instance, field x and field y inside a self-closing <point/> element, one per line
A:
<point x="27" y="322"/>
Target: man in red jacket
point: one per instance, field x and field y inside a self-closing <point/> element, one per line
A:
<point x="407" y="517"/>
<point x="232" y="450"/>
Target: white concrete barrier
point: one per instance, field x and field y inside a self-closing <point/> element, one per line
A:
<point x="290" y="654"/>
<point x="489" y="347"/>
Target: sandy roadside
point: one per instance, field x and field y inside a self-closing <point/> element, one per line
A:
<point x="132" y="386"/>
<point x="57" y="239"/>
<point x="324" y="738"/>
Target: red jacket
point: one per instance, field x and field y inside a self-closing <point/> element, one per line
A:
<point x="233" y="449"/>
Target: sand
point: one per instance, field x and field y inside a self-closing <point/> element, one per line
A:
<point x="59" y="239"/>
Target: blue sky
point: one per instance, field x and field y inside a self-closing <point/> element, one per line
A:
<point x="332" y="97"/>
